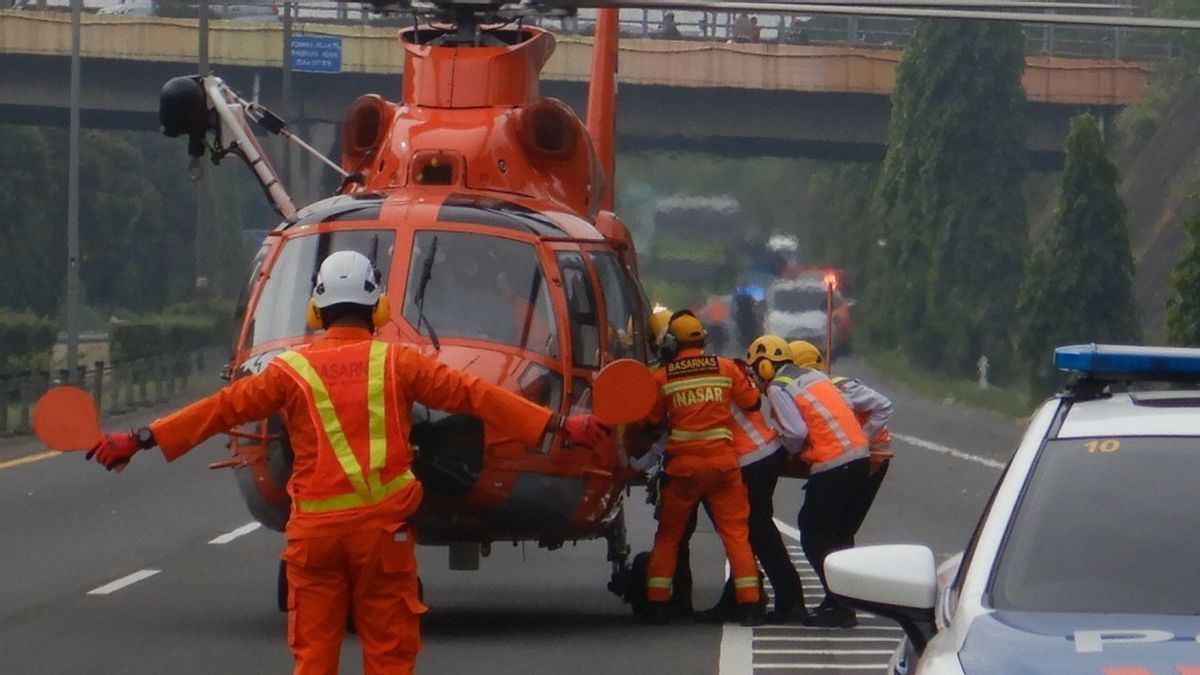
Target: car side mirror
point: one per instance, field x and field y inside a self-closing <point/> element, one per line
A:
<point x="897" y="582"/>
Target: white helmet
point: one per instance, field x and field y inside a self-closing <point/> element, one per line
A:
<point x="347" y="276"/>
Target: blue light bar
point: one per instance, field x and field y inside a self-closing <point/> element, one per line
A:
<point x="1130" y="362"/>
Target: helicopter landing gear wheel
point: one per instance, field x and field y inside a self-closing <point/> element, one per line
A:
<point x="636" y="583"/>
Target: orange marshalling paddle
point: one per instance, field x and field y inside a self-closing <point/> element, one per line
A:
<point x="66" y="419"/>
<point x="624" y="392"/>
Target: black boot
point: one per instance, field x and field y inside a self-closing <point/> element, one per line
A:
<point x="792" y="614"/>
<point x="655" y="614"/>
<point x="835" y="615"/>
<point x="750" y="614"/>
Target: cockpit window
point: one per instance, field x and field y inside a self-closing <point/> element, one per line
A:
<point x="480" y="287"/>
<point x="281" y="305"/>
<point x="620" y="307"/>
<point x="581" y="303"/>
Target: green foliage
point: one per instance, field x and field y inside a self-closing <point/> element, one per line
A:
<point x="1183" y="308"/>
<point x="839" y="229"/>
<point x="25" y="341"/>
<point x="179" y="329"/>
<point x="33" y="256"/>
<point x="949" y="207"/>
<point x="138" y="240"/>
<point x="1079" y="285"/>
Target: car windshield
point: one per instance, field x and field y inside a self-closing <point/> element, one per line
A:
<point x="799" y="300"/>
<point x="1106" y="525"/>
<point x="482" y="287"/>
<point x="280" y="312"/>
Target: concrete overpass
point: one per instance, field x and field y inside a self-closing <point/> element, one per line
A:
<point x="730" y="99"/>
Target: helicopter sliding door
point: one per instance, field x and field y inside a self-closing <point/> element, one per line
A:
<point x="623" y="316"/>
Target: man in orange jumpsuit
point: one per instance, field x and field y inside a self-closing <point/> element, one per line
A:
<point x="695" y="391"/>
<point x="345" y="401"/>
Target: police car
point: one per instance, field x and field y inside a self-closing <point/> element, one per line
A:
<point x="1087" y="556"/>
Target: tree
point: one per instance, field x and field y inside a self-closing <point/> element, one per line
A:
<point x="1183" y="308"/>
<point x="34" y="250"/>
<point x="949" y="209"/>
<point x="1079" y="286"/>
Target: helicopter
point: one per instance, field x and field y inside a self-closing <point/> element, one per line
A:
<point x="488" y="210"/>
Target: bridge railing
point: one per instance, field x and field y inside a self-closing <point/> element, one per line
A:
<point x="1097" y="42"/>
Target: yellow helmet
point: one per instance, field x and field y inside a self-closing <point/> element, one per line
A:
<point x="768" y="353"/>
<point x="686" y="327"/>
<point x="805" y="354"/>
<point x="658" y="324"/>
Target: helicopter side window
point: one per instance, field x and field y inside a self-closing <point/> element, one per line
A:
<point x="581" y="305"/>
<point x="480" y="287"/>
<point x="624" y="328"/>
<point x="282" y="302"/>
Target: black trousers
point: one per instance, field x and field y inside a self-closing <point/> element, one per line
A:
<point x="760" y="478"/>
<point x="874" y="481"/>
<point x="832" y="512"/>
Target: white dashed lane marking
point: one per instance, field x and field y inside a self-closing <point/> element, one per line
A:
<point x="946" y="450"/>
<point x="127" y="580"/>
<point x="234" y="534"/>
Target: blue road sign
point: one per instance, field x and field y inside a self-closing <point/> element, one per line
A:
<point x="316" y="53"/>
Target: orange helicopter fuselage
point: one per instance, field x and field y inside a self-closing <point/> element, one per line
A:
<point x="482" y="205"/>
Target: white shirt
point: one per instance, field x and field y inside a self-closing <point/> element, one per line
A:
<point x="863" y="399"/>
<point x="792" y="429"/>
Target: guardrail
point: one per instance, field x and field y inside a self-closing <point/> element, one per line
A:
<point x="1096" y="42"/>
<point x="116" y="387"/>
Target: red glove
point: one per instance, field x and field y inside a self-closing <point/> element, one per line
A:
<point x="115" y="450"/>
<point x="583" y="430"/>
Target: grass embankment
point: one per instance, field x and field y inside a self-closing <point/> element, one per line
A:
<point x="1011" y="401"/>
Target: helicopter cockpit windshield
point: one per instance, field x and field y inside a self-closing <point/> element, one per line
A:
<point x="280" y="312"/>
<point x="482" y="287"/>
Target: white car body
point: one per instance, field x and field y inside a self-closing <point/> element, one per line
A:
<point x="1082" y="641"/>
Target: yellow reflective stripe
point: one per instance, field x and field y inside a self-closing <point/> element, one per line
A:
<point x="351" y="500"/>
<point x="329" y="421"/>
<point x="745" y="582"/>
<point x="706" y="435"/>
<point x="785" y="379"/>
<point x="377" y="422"/>
<point x="658" y="582"/>
<point x="672" y="387"/>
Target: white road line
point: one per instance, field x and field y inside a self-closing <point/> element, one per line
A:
<point x="779" y="638"/>
<point x="234" y="534"/>
<point x="127" y="580"/>
<point x="787" y="530"/>
<point x="735" y="649"/>
<point x="830" y="652"/>
<point x="938" y="447"/>
<point x="820" y="666"/>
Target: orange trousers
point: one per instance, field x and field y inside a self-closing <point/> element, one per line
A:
<point x="372" y="571"/>
<point x="690" y="480"/>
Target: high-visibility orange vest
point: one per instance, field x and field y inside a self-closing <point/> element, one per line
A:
<point x="881" y="442"/>
<point x="834" y="435"/>
<point x="753" y="438"/>
<point x="347" y="390"/>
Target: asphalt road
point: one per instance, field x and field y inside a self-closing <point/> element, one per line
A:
<point x="68" y="530"/>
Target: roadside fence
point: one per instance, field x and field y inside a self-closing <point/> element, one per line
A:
<point x="116" y="387"/>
